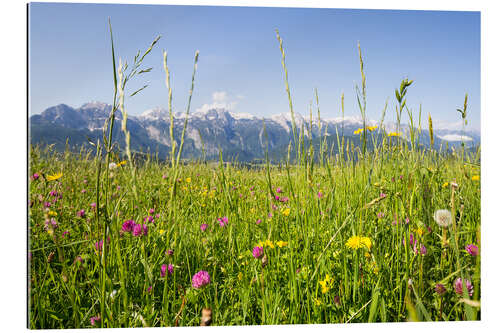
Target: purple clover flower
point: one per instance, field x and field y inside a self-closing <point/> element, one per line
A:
<point x="204" y="226"/>
<point x="81" y="213"/>
<point x="128" y="226"/>
<point x="222" y="221"/>
<point x="440" y="289"/>
<point x="472" y="249"/>
<point x="459" y="286"/>
<point x="257" y="252"/>
<point x="200" y="279"/>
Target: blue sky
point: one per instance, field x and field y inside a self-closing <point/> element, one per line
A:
<point x="240" y="62"/>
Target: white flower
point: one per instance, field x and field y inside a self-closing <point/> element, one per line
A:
<point x="112" y="166"/>
<point x="443" y="217"/>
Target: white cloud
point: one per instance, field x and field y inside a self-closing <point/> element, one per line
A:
<point x="220" y="100"/>
<point x="455" y="137"/>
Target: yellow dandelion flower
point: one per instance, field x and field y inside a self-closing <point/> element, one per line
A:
<point x="52" y="213"/>
<point x="184" y="188"/>
<point x="161" y="231"/>
<point x="358" y="131"/>
<point x="367" y="255"/>
<point x="366" y="241"/>
<point x="354" y="243"/>
<point x="121" y="163"/>
<point x="286" y="212"/>
<point x="394" y="134"/>
<point x="317" y="302"/>
<point x="188" y="180"/>
<point x="54" y="176"/>
<point x="372" y="128"/>
<point x="475" y="177"/>
<point x="281" y="243"/>
<point x="445" y="185"/>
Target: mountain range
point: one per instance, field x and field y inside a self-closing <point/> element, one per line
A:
<point x="239" y="136"/>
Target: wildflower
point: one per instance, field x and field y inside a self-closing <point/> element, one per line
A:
<point x="151" y="211"/>
<point x="443" y="217"/>
<point x="94" y="320"/>
<point x="93" y="205"/>
<point x="52" y="213"/>
<point x="445" y="185"/>
<point x="354" y="243"/>
<point x="54" y="176"/>
<point x="459" y="286"/>
<point x="286" y="212"/>
<point x="240" y="276"/>
<point x="257" y="252"/>
<point x="128" y="225"/>
<point x="472" y="249"/>
<point x="394" y="134"/>
<point x="371" y="128"/>
<point x="222" y="221"/>
<point x="277" y="197"/>
<point x="440" y="289"/>
<point x="121" y="163"/>
<point x="84" y="191"/>
<point x="200" y="279"/>
<point x="320" y="194"/>
<point x="419" y="231"/>
<point x="259" y="221"/>
<point x="383" y="195"/>
<point x="475" y="178"/>
<point x="150" y="288"/>
<point x="169" y="252"/>
<point x="366" y="241"/>
<point x="138" y="230"/>
<point x="423" y="249"/>
<point x="380" y="215"/>
<point x="284" y="199"/>
<point x="112" y="166"/>
<point x="51" y="224"/>
<point x="165" y="268"/>
<point x="278" y="189"/>
<point x="358" y="131"/>
<point x="66" y="232"/>
<point x="35" y="176"/>
<point x="317" y="302"/>
<point x="269" y="215"/>
<point x="164" y="176"/>
<point x="81" y="213"/>
<point x="281" y="243"/>
<point x="326" y="284"/>
<point x="203" y="227"/>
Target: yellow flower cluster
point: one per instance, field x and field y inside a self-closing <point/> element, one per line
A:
<point x="286" y="211"/>
<point x="475" y="178"/>
<point x="358" y="242"/>
<point x="271" y="245"/>
<point x="394" y="134"/>
<point x="369" y="128"/>
<point x="326" y="284"/>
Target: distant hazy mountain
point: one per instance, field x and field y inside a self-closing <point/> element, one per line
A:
<point x="238" y="135"/>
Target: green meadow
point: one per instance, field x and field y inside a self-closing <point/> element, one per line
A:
<point x="387" y="230"/>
